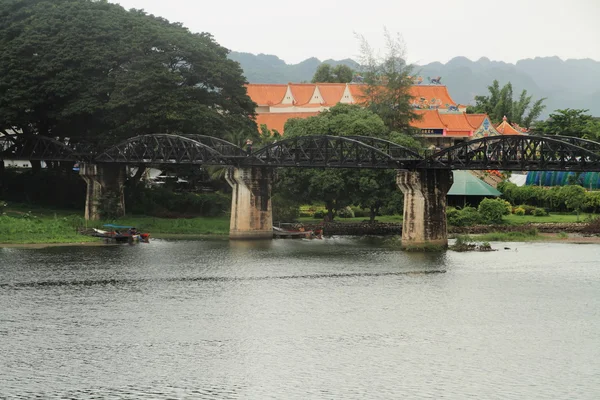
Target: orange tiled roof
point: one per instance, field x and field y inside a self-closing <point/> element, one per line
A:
<point x="277" y="120"/>
<point x="429" y="92"/>
<point x="505" y="129"/>
<point x="331" y="92"/>
<point x="457" y="124"/>
<point x="266" y="94"/>
<point x="430" y="120"/>
<point x="476" y="119"/>
<point x="302" y="92"/>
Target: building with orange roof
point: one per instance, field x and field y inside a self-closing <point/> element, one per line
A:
<point x="504" y="128"/>
<point x="276" y="121"/>
<point x="443" y="122"/>
<point x="484" y="125"/>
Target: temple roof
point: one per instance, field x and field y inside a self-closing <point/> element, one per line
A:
<point x="302" y="92"/>
<point x="457" y="124"/>
<point x="476" y="119"/>
<point x="430" y="119"/>
<point x="265" y="95"/>
<point x="505" y="129"/>
<point x="332" y="93"/>
<point x="276" y="121"/>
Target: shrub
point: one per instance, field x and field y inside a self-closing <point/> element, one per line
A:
<point x="319" y="214"/>
<point x="359" y="212"/>
<point x="345" y="212"/>
<point x="540" y="212"/>
<point x="492" y="210"/>
<point x="519" y="211"/>
<point x="284" y="210"/>
<point x="466" y="217"/>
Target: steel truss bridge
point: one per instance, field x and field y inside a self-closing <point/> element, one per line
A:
<point x="510" y="153"/>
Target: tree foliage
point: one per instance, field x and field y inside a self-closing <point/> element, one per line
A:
<point x="500" y="103"/>
<point x="90" y="70"/>
<point x="570" y="122"/>
<point x="339" y="188"/>
<point x="387" y="83"/>
<point x="325" y="73"/>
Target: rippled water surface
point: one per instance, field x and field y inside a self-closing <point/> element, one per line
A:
<point x="330" y="319"/>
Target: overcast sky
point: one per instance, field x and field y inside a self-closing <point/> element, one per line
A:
<point x="434" y="30"/>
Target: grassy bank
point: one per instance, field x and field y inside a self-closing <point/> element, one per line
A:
<point x="527" y="236"/>
<point x="23" y="224"/>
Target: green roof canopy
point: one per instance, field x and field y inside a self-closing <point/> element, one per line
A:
<point x="466" y="184"/>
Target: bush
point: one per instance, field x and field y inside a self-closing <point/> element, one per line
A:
<point x="466" y="217"/>
<point x="492" y="210"/>
<point x="346" y="212"/>
<point x="360" y="213"/>
<point x="519" y="211"/>
<point x="160" y="202"/>
<point x="540" y="212"/>
<point x="284" y="210"/>
<point x="319" y="214"/>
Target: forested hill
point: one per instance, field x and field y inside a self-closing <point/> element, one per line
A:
<point x="566" y="84"/>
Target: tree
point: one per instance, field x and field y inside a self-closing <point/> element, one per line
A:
<point x="339" y="188"/>
<point x="327" y="74"/>
<point x="570" y="122"/>
<point x="574" y="198"/>
<point x="500" y="103"/>
<point x="90" y="70"/>
<point x="387" y="83"/>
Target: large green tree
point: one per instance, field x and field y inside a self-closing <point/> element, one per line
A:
<point x="500" y="103"/>
<point x="387" y="83"/>
<point x="340" y="188"/>
<point x="570" y="122"/>
<point x="327" y="74"/>
<point x="90" y="70"/>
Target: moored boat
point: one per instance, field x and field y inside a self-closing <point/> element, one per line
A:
<point x="121" y="234"/>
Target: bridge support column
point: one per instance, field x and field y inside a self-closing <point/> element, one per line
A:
<point x="105" y="189"/>
<point x="251" y="213"/>
<point x="425" y="193"/>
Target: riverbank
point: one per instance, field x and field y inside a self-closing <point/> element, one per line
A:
<point x="26" y="225"/>
<point x="49" y="227"/>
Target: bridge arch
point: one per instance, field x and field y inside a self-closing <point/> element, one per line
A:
<point x="34" y="147"/>
<point x="161" y="148"/>
<point x="516" y="153"/>
<point x="330" y="151"/>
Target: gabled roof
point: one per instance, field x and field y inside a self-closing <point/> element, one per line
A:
<point x="505" y="129"/>
<point x="457" y="122"/>
<point x="466" y="184"/>
<point x="476" y="119"/>
<point x="302" y="92"/>
<point x="266" y="94"/>
<point x="331" y="92"/>
<point x="277" y="120"/>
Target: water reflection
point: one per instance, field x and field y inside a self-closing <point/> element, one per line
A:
<point x="341" y="318"/>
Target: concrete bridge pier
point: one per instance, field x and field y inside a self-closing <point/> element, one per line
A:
<point x="105" y="188"/>
<point x="425" y="193"/>
<point x="251" y="213"/>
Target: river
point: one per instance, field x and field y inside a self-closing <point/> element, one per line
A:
<point x="339" y="318"/>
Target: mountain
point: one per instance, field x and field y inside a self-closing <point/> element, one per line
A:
<point x="565" y="84"/>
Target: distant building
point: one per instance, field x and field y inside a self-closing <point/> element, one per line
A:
<point x="443" y="122"/>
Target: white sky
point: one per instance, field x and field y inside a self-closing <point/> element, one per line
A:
<point x="434" y="30"/>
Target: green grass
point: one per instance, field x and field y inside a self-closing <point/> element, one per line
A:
<point x="513" y="219"/>
<point x="29" y="229"/>
<point x="381" y="218"/>
<point x="24" y="224"/>
<point x="528" y="236"/>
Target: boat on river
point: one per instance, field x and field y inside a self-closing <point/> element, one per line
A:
<point x="294" y="232"/>
<point x="121" y="234"/>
